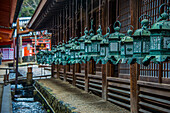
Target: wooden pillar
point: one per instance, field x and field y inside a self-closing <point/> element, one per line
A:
<point x="65" y="75"/>
<point x="134" y="68"/>
<point x="58" y="73"/>
<point x="78" y="68"/>
<point x="86" y="77"/>
<point x="74" y="76"/>
<point x="160" y="72"/>
<point x="104" y="82"/>
<point x="52" y="70"/>
<point x="133" y="88"/>
<point x="29" y="76"/>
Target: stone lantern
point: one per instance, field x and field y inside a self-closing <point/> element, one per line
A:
<point x="114" y="43"/>
<point x="127" y="46"/>
<point x="141" y="41"/>
<point x="104" y="48"/>
<point x="159" y="39"/>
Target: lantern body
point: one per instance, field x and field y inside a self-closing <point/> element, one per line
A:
<point x="104" y="51"/>
<point x="114" y="45"/>
<point x="126" y="48"/>
<point x="141" y="42"/>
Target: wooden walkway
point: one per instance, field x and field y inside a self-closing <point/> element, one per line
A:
<point x="83" y="102"/>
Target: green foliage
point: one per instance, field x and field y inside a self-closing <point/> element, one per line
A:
<point x="28" y="8"/>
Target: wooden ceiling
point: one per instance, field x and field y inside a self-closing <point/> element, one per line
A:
<point x="7" y="12"/>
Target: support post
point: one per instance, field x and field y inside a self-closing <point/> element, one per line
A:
<point x="20" y="49"/>
<point x="52" y="70"/>
<point x="74" y="76"/>
<point x="58" y="73"/>
<point x="17" y="43"/>
<point x="65" y="75"/>
<point x="160" y="72"/>
<point x="133" y="88"/>
<point x="29" y="76"/>
<point x="86" y="77"/>
<point x="104" y="82"/>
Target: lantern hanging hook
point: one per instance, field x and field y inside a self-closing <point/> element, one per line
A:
<point x="117" y="28"/>
<point x="145" y="22"/>
<point x="165" y="14"/>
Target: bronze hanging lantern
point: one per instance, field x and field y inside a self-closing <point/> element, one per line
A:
<point x="141" y="41"/>
<point x="95" y="45"/>
<point x="104" y="48"/>
<point x="127" y="46"/>
<point x="114" y="44"/>
<point x="159" y="39"/>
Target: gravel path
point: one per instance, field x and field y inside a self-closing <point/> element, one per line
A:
<point x="83" y="101"/>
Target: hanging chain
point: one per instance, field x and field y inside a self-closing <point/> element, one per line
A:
<point x="81" y="13"/>
<point x="76" y="13"/>
<point x="91" y="9"/>
<point x="87" y="13"/>
<point x="108" y="10"/>
<point x="99" y="12"/>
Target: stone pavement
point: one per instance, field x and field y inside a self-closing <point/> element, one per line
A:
<point x="82" y="101"/>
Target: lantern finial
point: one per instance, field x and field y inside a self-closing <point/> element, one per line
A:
<point x="99" y="31"/>
<point x="145" y="22"/>
<point x="117" y="28"/>
<point x="164" y="15"/>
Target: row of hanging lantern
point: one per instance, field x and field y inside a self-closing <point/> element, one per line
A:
<point x="141" y="47"/>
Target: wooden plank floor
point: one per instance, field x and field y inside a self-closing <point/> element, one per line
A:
<point x="83" y="101"/>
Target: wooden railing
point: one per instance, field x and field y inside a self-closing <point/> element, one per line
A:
<point x="149" y="96"/>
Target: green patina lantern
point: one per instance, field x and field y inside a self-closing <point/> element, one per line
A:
<point x="56" y="54"/>
<point x="127" y="46"/>
<point x="58" y="57"/>
<point x="77" y="52"/>
<point x="141" y="41"/>
<point x="59" y="53"/>
<point x="114" y="44"/>
<point x="63" y="54"/>
<point x="40" y="57"/>
<point x="82" y="44"/>
<point x="104" y="48"/>
<point x="95" y="45"/>
<point x="52" y="55"/>
<point x="159" y="39"/>
<point x="67" y="48"/>
<point x="72" y="52"/>
<point x="88" y="45"/>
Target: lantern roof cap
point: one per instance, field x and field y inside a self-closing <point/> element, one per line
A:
<point x="144" y="30"/>
<point x="116" y="34"/>
<point x="127" y="39"/>
<point x="162" y="22"/>
<point x="82" y="38"/>
<point x="105" y="40"/>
